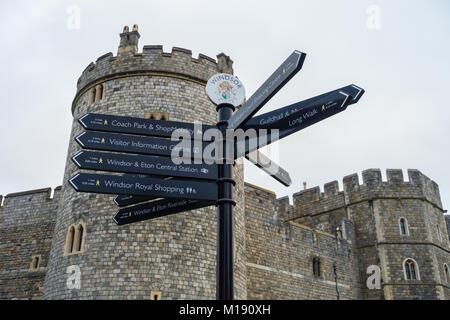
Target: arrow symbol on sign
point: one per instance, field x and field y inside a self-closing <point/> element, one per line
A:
<point x="72" y="183"/>
<point x="78" y="139"/>
<point x="346" y="98"/>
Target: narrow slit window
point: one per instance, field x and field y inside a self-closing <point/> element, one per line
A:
<point x="316" y="267"/>
<point x="403" y="226"/>
<point x="80" y="237"/>
<point x="35" y="263"/>
<point x="69" y="241"/>
<point x="446" y="273"/>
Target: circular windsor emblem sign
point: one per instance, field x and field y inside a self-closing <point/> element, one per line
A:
<point x="225" y="88"/>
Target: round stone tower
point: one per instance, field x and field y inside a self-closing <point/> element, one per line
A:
<point x="171" y="257"/>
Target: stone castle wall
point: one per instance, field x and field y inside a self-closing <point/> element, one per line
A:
<point x="277" y="251"/>
<point x="280" y="254"/>
<point x="27" y="221"/>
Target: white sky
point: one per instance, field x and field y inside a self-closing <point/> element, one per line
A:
<point x="401" y="121"/>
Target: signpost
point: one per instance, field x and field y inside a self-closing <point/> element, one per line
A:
<point x="137" y="144"/>
<point x="126" y="200"/>
<point x="269" y="167"/>
<point x="298" y="116"/>
<point x="114" y="184"/>
<point x="122" y="200"/>
<point x="138" y="126"/>
<point x="152" y="165"/>
<point x="305" y="113"/>
<point x="156" y="209"/>
<point x="147" y="157"/>
<point x="227" y="93"/>
<point x="270" y="87"/>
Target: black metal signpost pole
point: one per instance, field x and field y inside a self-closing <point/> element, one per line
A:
<point x="225" y="203"/>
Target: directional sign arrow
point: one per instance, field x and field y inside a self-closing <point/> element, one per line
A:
<point x="136" y="144"/>
<point x="156" y="209"/>
<point x="268" y="89"/>
<point x="298" y="116"/>
<point x="152" y="165"/>
<point x="270" y="167"/>
<point x="113" y="184"/>
<point x="146" y="127"/>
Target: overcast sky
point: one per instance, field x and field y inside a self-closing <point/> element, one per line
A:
<point x="398" y="51"/>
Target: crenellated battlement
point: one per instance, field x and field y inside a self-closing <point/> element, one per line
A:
<point x="39" y="195"/>
<point x="419" y="186"/>
<point x="284" y="208"/>
<point x="152" y="60"/>
<point x="311" y="201"/>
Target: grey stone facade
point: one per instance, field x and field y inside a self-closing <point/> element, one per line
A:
<point x="275" y="242"/>
<point x="27" y="222"/>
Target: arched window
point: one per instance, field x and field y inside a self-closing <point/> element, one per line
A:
<point x="69" y="240"/>
<point x="79" y="237"/>
<point x="101" y="88"/>
<point x="155" y="295"/>
<point x="316" y="267"/>
<point x="411" y="269"/>
<point x="156" y="116"/>
<point x="96" y="93"/>
<point x="446" y="273"/>
<point x="403" y="226"/>
<point x="75" y="238"/>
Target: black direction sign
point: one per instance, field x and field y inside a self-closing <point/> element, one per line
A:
<point x="126" y="200"/>
<point x="122" y="200"/>
<point x="298" y="116"/>
<point x="156" y="209"/>
<point x="136" y="144"/>
<point x="146" y="127"/>
<point x="269" y="167"/>
<point x="151" y="165"/>
<point x="158" y="188"/>
<point x="269" y="88"/>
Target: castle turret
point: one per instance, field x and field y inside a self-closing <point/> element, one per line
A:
<point x="398" y="225"/>
<point x="129" y="40"/>
<point x="172" y="257"/>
